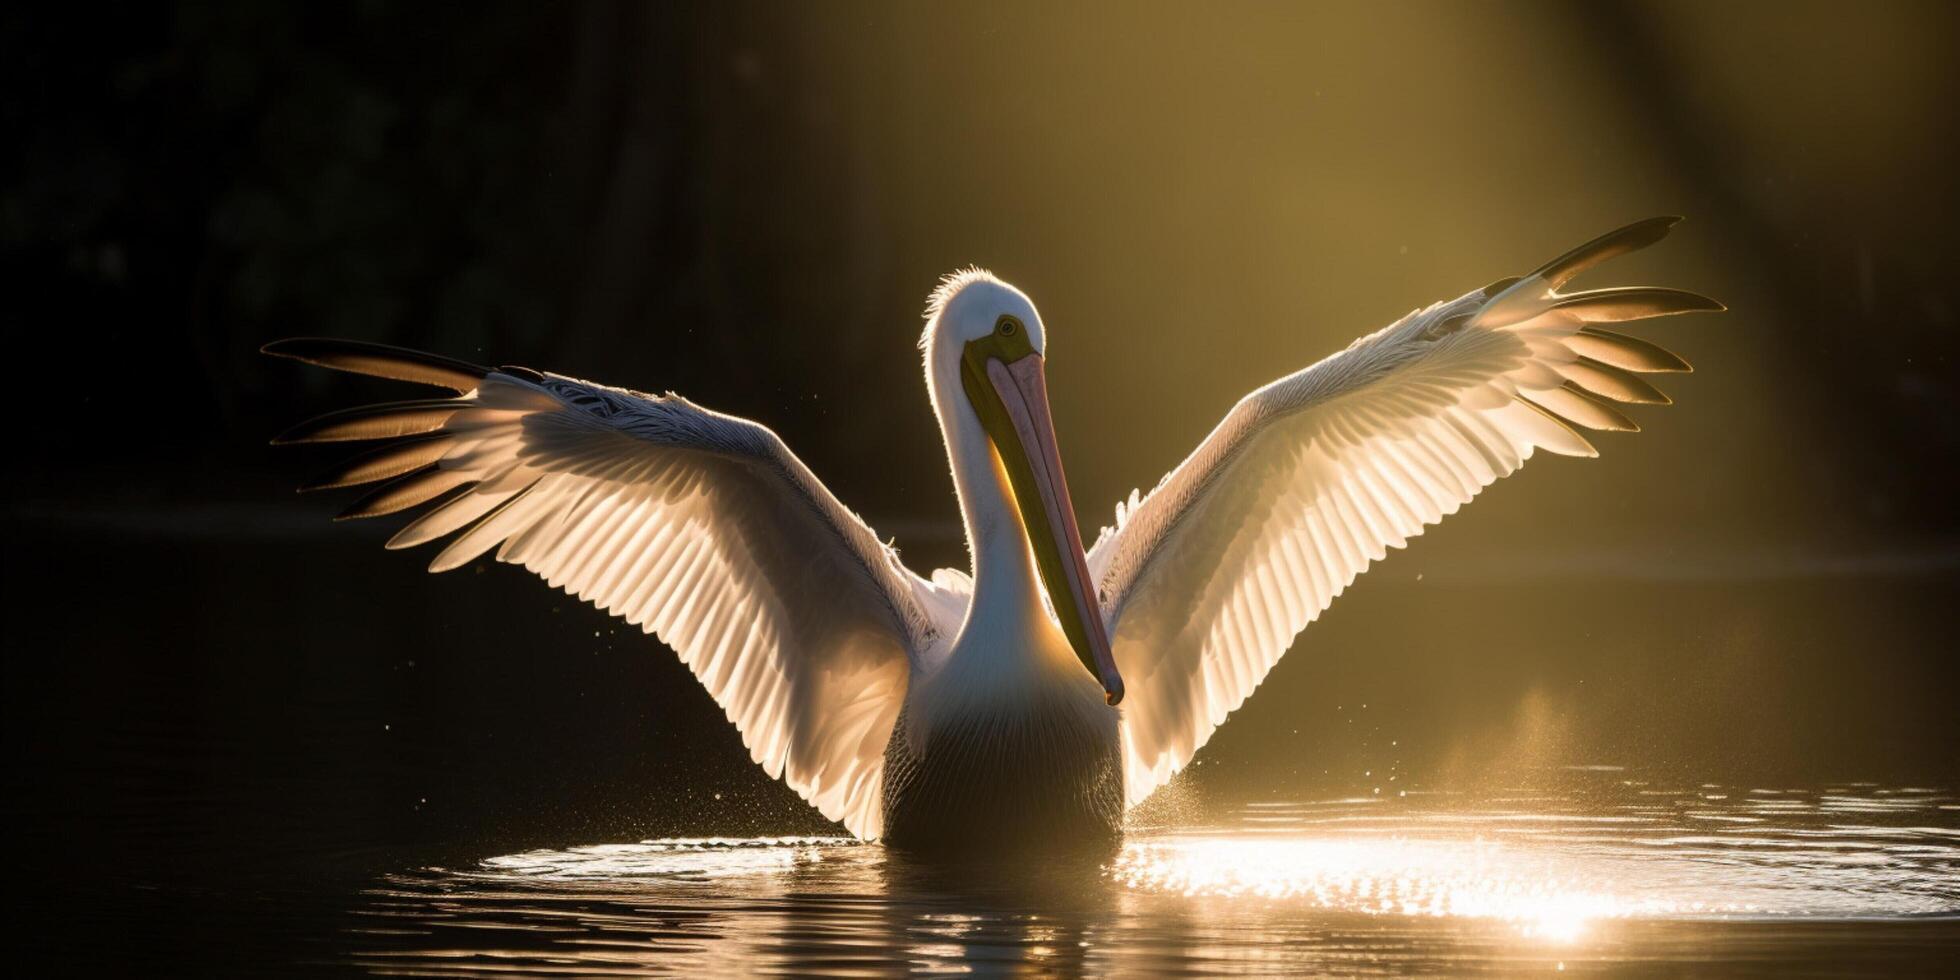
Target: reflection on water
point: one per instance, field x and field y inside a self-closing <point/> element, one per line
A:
<point x="1628" y="874"/>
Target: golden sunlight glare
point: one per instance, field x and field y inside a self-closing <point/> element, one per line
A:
<point x="1472" y="878"/>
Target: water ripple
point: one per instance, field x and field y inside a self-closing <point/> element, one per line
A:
<point x="1751" y="879"/>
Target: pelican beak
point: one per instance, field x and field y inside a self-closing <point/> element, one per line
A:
<point x="1012" y="401"/>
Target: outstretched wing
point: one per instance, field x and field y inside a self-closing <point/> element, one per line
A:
<point x="699" y="527"/>
<point x="1206" y="581"/>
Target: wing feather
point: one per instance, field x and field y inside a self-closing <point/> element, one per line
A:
<point x="1208" y="579"/>
<point x="385" y="421"/>
<point x="1620" y="350"/>
<point x="404" y="492"/>
<point x="700" y="528"/>
<point x="381" y="361"/>
<point x="383" y="462"/>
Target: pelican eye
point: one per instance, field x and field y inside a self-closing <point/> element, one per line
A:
<point x="1006" y="326"/>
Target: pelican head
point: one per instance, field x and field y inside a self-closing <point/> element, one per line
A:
<point x="988" y="335"/>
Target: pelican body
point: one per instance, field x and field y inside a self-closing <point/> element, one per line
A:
<point x="1035" y="697"/>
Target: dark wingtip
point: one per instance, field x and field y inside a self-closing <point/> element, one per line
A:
<point x="1643" y="233"/>
<point x="380" y="361"/>
<point x="1499" y="286"/>
<point x="362" y="423"/>
<point x="300" y="434"/>
<point x="1699" y="303"/>
<point x="1619" y="241"/>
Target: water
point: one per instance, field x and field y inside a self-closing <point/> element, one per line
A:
<point x="283" y="753"/>
<point x="1626" y="875"/>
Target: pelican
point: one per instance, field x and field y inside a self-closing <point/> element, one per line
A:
<point x="1040" y="694"/>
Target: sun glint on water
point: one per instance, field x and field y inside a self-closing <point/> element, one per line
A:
<point x="1472" y="878"/>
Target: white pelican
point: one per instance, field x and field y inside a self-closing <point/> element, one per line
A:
<point x="968" y="709"/>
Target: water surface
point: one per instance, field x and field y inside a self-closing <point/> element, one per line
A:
<point x="345" y="766"/>
<point x="1628" y="876"/>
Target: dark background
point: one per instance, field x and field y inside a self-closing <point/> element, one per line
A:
<point x="209" y="686"/>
